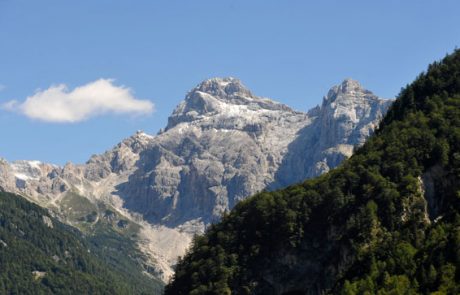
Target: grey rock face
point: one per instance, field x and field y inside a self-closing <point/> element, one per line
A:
<point x="221" y="145"/>
<point x="348" y="115"/>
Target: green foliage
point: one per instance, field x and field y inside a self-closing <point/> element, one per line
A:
<point x="77" y="207"/>
<point x="38" y="257"/>
<point x="387" y="221"/>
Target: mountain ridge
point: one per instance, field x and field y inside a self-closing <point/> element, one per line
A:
<point x="221" y="144"/>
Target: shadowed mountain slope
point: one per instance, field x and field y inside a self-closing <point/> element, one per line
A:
<point x="40" y="255"/>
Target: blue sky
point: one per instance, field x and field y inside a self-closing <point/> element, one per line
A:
<point x="291" y="51"/>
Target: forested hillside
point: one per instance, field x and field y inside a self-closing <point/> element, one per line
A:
<point x="40" y="255"/>
<point x="386" y="221"/>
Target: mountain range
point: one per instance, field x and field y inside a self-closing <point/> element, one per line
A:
<point x="221" y="145"/>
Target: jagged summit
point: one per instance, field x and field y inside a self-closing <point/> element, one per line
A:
<point x="222" y="87"/>
<point x="221" y="96"/>
<point x="349" y="86"/>
<point x="348" y="90"/>
<point x="140" y="135"/>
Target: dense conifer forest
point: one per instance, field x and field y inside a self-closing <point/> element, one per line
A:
<point x="40" y="255"/>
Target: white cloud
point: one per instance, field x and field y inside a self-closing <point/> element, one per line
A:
<point x="58" y="104"/>
<point x="2" y="87"/>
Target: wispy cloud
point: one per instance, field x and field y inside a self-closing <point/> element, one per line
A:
<point x="10" y="105"/>
<point x="60" y="105"/>
<point x="2" y="87"/>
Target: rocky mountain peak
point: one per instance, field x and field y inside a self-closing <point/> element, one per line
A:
<point x="350" y="113"/>
<point x="141" y="136"/>
<point x="223" y="87"/>
<point x="348" y="90"/>
<point x="221" y="96"/>
<point x="349" y="86"/>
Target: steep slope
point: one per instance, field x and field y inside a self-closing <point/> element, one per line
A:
<point x="387" y="221"/>
<point x="347" y="117"/>
<point x="82" y="196"/>
<point x="221" y="144"/>
<point x="39" y="255"/>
